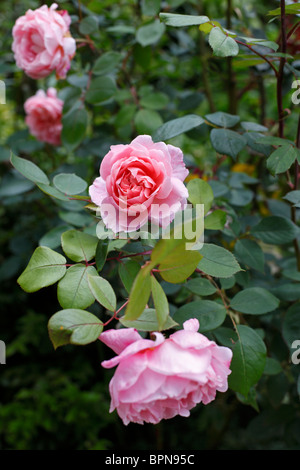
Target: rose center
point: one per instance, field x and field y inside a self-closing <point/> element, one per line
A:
<point x="135" y="183"/>
<point x="37" y="43"/>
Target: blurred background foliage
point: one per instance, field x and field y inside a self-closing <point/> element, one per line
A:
<point x="59" y="399"/>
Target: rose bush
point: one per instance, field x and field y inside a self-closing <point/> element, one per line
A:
<point x="140" y="181"/>
<point x="44" y="116"/>
<point x="159" y="379"/>
<point x="42" y="42"/>
<point x="155" y="70"/>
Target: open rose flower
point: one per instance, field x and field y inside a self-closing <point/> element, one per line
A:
<point x="42" y="42"/>
<point x="43" y="116"/>
<point x="140" y="181"/>
<point x="163" y="378"/>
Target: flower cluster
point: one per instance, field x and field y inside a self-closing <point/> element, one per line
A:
<point x="42" y="43"/>
<point x="143" y="181"/>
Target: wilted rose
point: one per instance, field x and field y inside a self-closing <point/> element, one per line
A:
<point x="163" y="378"/>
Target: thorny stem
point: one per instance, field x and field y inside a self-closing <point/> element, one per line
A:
<point x="259" y="54"/>
<point x="293" y="30"/>
<point x="281" y="116"/>
<point x="205" y="68"/>
<point x="118" y="258"/>
<point x="224" y="299"/>
<point x="296" y="183"/>
<point x="232" y="94"/>
<point x="115" y="315"/>
<point x="281" y="69"/>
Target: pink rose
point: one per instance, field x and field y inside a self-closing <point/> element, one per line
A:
<point x="42" y="42"/>
<point x="44" y="113"/>
<point x="138" y="182"/>
<point x="163" y="378"/>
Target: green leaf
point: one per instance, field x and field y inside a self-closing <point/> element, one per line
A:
<point x="222" y="119"/>
<point x="103" y="292"/>
<point x="14" y="184"/>
<point x="217" y="261"/>
<point x="52" y="239"/>
<point x="200" y="192"/>
<point x="293" y="197"/>
<point x="101" y="253"/>
<point x="177" y="126"/>
<point x="200" y="286"/>
<point x="221" y="44"/>
<point x="78" y="219"/>
<point x="44" y="269"/>
<point x="155" y="100"/>
<point x="273" y="367"/>
<point x="147" y="121"/>
<point x="289" y="291"/>
<point x="175" y="253"/>
<point x="240" y="197"/>
<point x="227" y="142"/>
<point x="273" y="140"/>
<point x="75" y="123"/>
<point x="207" y="27"/>
<point x="161" y="303"/>
<point x="150" y="7"/>
<point x="53" y="192"/>
<point x="261" y="42"/>
<point x="179" y="265"/>
<point x="128" y="270"/>
<point x="282" y="159"/>
<point x="120" y="29"/>
<point x="107" y="63"/>
<point x="183" y="236"/>
<point x="74" y="326"/>
<point x="147" y="321"/>
<point x="69" y="183"/>
<point x="254" y="301"/>
<point x="101" y="89"/>
<point x="216" y="220"/>
<point x="255" y="139"/>
<point x="173" y="19"/>
<point x="248" y="362"/>
<point x="88" y="25"/>
<point x="73" y="289"/>
<point x="79" y="246"/>
<point x="150" y="33"/>
<point x="292" y="9"/>
<point x="250" y="253"/>
<point x="275" y="230"/>
<point x="29" y="170"/>
<point x="225" y="336"/>
<point x="139" y="294"/>
<point x="291" y="325"/>
<point x="210" y="314"/>
<point x="253" y="127"/>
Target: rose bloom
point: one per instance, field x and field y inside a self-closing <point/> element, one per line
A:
<point x="42" y="42"/>
<point x="159" y="379"/>
<point x="44" y="113"/>
<point x="140" y="181"/>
